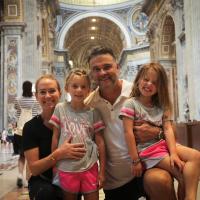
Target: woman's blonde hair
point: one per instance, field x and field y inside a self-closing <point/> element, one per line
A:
<point x="47" y="76"/>
<point x="79" y="72"/>
<point x="161" y="98"/>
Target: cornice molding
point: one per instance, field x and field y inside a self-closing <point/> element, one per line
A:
<point x="12" y="24"/>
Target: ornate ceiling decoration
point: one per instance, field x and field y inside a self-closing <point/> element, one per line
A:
<point x="92" y="2"/>
<point x="88" y="33"/>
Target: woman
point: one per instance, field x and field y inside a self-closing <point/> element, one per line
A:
<point x="37" y="139"/>
<point x="26" y="107"/>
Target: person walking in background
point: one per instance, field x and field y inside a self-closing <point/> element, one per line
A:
<point x="10" y="137"/>
<point x="84" y="125"/>
<point x="149" y="101"/>
<point x="108" y="98"/>
<point x="37" y="140"/>
<point x="4" y="137"/>
<point x="27" y="107"/>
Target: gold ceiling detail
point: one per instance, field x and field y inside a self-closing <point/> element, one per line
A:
<point x="85" y="34"/>
<point x="92" y="2"/>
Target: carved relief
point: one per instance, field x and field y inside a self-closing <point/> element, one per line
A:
<point x="12" y="54"/>
<point x="12" y="65"/>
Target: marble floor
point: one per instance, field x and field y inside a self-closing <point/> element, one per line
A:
<point x="8" y="176"/>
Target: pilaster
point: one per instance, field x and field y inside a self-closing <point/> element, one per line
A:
<point x="192" y="30"/>
<point x="11" y="62"/>
<point x="62" y="67"/>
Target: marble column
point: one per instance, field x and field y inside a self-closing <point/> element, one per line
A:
<point x="182" y="90"/>
<point x="32" y="44"/>
<point x="61" y="67"/>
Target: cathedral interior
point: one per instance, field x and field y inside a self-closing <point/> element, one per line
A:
<point x="39" y="37"/>
<point x="54" y="36"/>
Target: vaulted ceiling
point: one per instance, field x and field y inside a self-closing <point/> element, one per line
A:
<point x="87" y="33"/>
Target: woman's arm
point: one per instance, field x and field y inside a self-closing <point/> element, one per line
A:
<point x="102" y="156"/>
<point x="130" y="140"/>
<point x="67" y="150"/>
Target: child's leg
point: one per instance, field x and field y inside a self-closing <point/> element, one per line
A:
<point x="191" y="170"/>
<point x="89" y="183"/>
<point x="69" y="196"/>
<point x="92" y="196"/>
<point x="165" y="164"/>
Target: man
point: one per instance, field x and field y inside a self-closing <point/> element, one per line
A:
<point x="108" y="99"/>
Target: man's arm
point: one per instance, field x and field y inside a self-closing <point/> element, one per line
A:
<point x="144" y="131"/>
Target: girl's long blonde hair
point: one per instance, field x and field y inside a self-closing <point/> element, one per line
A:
<point x="79" y="72"/>
<point x="161" y="98"/>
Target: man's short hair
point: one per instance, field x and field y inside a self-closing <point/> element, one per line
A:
<point x="100" y="50"/>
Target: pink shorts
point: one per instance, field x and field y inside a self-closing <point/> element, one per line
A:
<point x="84" y="182"/>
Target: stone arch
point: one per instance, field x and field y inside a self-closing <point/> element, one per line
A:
<point x="167" y="39"/>
<point x="68" y="24"/>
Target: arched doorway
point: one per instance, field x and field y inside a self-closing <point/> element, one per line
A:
<point x="83" y="31"/>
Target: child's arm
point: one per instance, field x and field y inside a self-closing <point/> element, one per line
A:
<point x="130" y="140"/>
<point x="54" y="144"/>
<point x="102" y="156"/>
<point x="171" y="142"/>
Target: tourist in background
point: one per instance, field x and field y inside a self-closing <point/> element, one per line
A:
<point x="27" y="107"/>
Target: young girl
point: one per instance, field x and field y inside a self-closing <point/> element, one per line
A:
<point x="149" y="101"/>
<point x="83" y="125"/>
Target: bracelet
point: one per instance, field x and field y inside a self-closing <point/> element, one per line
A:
<point x="160" y="134"/>
<point x="135" y="162"/>
<point x="52" y="158"/>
